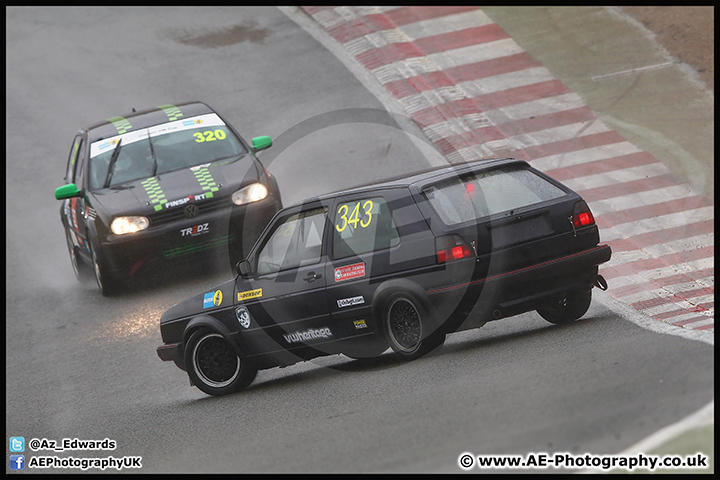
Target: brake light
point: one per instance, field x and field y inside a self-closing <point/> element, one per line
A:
<point x="582" y="216"/>
<point x="450" y="248"/>
<point x="582" y="219"/>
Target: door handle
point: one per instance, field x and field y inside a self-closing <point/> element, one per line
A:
<point x="312" y="276"/>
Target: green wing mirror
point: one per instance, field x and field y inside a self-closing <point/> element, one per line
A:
<point x="66" y="191"/>
<point x="261" y="143"/>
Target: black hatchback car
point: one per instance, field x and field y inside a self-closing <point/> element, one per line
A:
<point x="167" y="183"/>
<point x="398" y="264"/>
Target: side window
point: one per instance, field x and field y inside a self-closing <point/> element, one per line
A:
<point x="296" y="242"/>
<point x="363" y="226"/>
<point x="72" y="160"/>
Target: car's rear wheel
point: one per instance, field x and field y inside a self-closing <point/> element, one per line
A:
<point x="567" y="307"/>
<point x="406" y="328"/>
<point x="213" y="366"/>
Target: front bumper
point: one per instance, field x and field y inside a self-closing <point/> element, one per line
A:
<point x="171" y="352"/>
<point x="231" y="228"/>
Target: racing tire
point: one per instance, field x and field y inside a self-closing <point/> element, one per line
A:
<point x="567" y="308"/>
<point x="81" y="270"/>
<point x="213" y="366"/>
<point x="405" y="324"/>
<point x="106" y="283"/>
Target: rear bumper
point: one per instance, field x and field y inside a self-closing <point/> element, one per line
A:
<point x="503" y="294"/>
<point x="575" y="264"/>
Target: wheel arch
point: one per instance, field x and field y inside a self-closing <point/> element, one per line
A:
<point x="398" y="285"/>
<point x="213" y="324"/>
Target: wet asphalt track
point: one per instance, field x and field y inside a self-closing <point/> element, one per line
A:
<point x="82" y="366"/>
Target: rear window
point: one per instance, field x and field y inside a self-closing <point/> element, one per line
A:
<point x="481" y="194"/>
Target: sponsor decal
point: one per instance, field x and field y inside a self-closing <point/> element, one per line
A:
<point x="243" y="316"/>
<point x="124" y="130"/>
<point x="307" y="335"/>
<point x="360" y="324"/>
<point x="184" y="200"/>
<point x="212" y="299"/>
<point x="346" y="302"/>
<point x="349" y="271"/>
<point x="249" y="294"/>
<point x="196" y="230"/>
<point x="192" y="123"/>
<point x="198" y="167"/>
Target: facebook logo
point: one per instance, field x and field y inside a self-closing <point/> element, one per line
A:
<point x="17" y="462"/>
<point x="17" y="444"/>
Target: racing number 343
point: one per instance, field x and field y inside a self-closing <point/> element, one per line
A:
<point x="355" y="216"/>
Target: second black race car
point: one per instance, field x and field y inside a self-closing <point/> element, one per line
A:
<point x="397" y="264"/>
<point x="166" y="183"/>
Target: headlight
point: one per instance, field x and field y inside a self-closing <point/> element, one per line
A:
<point x="124" y="225"/>
<point x="251" y="193"/>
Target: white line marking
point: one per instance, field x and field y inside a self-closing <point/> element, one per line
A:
<point x="628" y="72"/>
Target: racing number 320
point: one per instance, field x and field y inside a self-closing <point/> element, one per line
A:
<point x="354" y="218"/>
<point x="209" y="136"/>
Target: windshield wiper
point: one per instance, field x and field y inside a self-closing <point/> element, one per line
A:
<point x="152" y="152"/>
<point x="111" y="165"/>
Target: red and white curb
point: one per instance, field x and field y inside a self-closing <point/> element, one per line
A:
<point x="476" y="94"/>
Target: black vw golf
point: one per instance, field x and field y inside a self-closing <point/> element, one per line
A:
<point x="167" y="183"/>
<point x="398" y="264"/>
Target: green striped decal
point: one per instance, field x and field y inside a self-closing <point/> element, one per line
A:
<point x="188" y="249"/>
<point x="172" y="112"/>
<point x="121" y="123"/>
<point x="206" y="181"/>
<point x="157" y="197"/>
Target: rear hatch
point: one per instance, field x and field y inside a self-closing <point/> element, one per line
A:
<point x="509" y="214"/>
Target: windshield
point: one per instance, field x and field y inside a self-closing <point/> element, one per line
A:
<point x="160" y="149"/>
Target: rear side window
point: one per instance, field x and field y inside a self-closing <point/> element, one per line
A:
<point x="481" y="194"/>
<point x="363" y="226"/>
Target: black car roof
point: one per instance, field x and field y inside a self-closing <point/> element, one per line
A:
<point x="425" y="176"/>
<point x="146" y="118"/>
<point x="420" y="177"/>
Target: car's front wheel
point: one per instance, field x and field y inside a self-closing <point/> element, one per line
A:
<point x="80" y="269"/>
<point x="406" y="327"/>
<point x="106" y="283"/>
<point x="567" y="307"/>
<point x="213" y="365"/>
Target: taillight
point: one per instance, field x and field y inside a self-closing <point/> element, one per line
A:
<point x="582" y="216"/>
<point x="451" y="247"/>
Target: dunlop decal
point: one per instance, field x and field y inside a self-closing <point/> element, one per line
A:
<point x="249" y="294"/>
